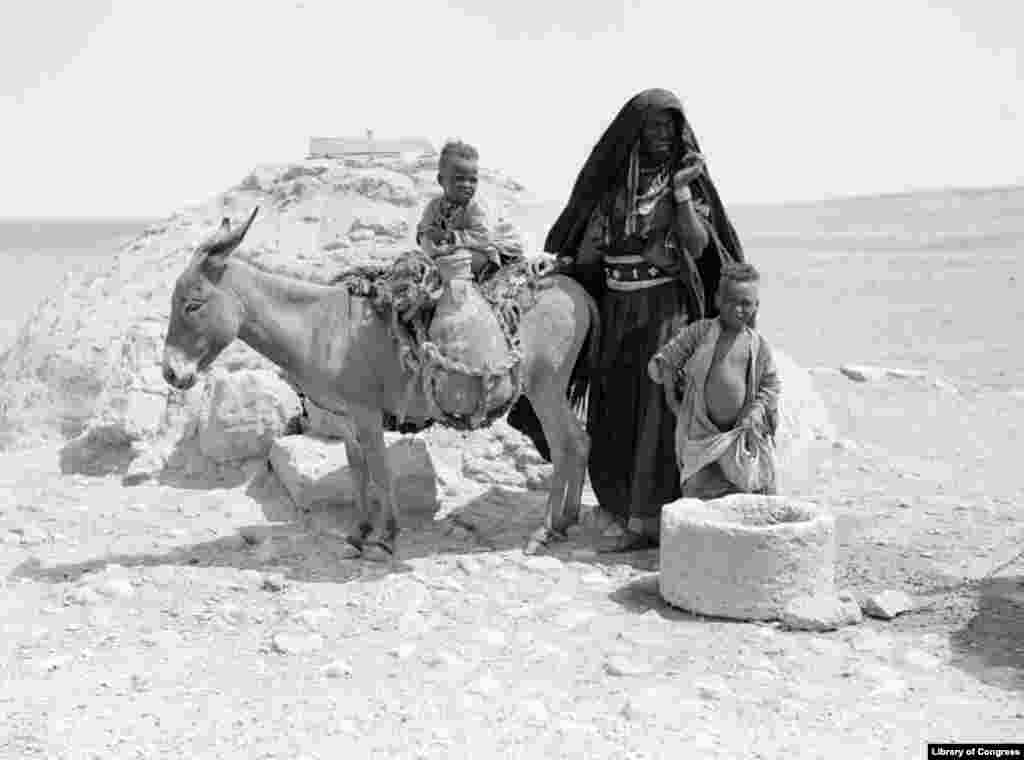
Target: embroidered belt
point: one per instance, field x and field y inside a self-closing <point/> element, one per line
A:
<point x="632" y="273"/>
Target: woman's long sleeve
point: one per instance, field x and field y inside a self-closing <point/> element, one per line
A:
<point x="692" y="228"/>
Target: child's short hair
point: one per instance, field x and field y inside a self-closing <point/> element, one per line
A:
<point x="457" y="149"/>
<point x="737" y="272"/>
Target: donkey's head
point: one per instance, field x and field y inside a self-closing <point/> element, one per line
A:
<point x="205" y="317"/>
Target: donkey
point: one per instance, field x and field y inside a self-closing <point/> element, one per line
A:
<point x="341" y="353"/>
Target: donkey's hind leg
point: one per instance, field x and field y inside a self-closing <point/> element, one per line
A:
<point x="578" y="456"/>
<point x="569" y="446"/>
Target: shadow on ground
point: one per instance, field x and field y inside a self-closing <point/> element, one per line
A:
<point x="990" y="646"/>
<point x="93" y="455"/>
<point x="90" y="455"/>
<point x="642" y="595"/>
<point x="298" y="544"/>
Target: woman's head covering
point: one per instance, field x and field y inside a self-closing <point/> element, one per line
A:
<point x="608" y="167"/>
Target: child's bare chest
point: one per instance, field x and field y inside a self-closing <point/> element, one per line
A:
<point x="725" y="389"/>
<point x="732" y="356"/>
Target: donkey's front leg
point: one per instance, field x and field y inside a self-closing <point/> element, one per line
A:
<point x="363" y="525"/>
<point x="379" y="541"/>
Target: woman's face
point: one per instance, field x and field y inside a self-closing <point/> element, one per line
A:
<point x="658" y="136"/>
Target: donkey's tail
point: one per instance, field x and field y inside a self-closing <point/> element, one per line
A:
<point x="586" y="361"/>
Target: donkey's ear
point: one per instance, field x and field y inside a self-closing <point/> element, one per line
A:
<point x="223" y="242"/>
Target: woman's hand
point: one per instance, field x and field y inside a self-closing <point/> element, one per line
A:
<point x="693" y="167"/>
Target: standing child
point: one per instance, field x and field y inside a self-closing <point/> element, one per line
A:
<point x="727" y="416"/>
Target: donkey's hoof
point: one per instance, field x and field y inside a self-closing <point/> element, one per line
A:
<point x="378" y="551"/>
<point x="542" y="539"/>
<point x="350" y="550"/>
<point x="534" y="547"/>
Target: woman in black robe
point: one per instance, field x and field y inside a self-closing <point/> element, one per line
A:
<point x="646" y="233"/>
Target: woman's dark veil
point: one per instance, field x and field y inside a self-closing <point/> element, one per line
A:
<point x="604" y="170"/>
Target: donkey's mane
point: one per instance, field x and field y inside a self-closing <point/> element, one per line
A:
<point x="250" y="257"/>
<point x="294" y="286"/>
<point x="371" y="269"/>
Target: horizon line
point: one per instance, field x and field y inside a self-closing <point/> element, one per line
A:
<point x="890" y="194"/>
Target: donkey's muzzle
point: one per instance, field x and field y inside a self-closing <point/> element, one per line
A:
<point x="180" y="380"/>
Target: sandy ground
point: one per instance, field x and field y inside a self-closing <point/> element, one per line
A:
<point x="172" y="620"/>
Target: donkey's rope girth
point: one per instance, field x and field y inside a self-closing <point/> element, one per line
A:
<point x="404" y="294"/>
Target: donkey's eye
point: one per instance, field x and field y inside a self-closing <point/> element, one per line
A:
<point x="194" y="306"/>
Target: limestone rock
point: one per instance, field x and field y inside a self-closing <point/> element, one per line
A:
<point x="337" y="669"/>
<point x="380" y="224"/>
<point x="745" y="556"/>
<point x="88" y="357"/>
<point x="376" y="183"/>
<point x="30" y="534"/>
<point x="84" y="369"/>
<point x="803" y="420"/>
<point x="820" y="613"/>
<point x="247" y="411"/>
<point x="887" y="604"/>
<point x="617" y="665"/>
<point x="863" y="373"/>
<point x="297" y="643"/>
<point x="274" y="582"/>
<point x="120" y="588"/>
<point x="494" y="471"/>
<point x="316" y="472"/>
<point x="905" y="374"/>
<point x="915" y="658"/>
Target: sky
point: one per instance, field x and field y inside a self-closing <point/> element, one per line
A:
<point x="139" y="107"/>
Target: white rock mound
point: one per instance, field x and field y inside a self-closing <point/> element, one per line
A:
<point x="803" y="419"/>
<point x="85" y="367"/>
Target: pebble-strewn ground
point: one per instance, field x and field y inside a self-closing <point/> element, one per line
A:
<point x="171" y="621"/>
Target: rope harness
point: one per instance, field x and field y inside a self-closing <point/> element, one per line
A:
<point x="405" y="295"/>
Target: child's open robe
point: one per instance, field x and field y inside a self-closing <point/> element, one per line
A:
<point x="471" y="229"/>
<point x="699" y="441"/>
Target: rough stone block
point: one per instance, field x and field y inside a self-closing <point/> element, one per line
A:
<point x="745" y="556"/>
<point x="316" y="472"/>
<point x="862" y="373"/>
<point x="821" y="613"/>
<point x="887" y="604"/>
<point x="247" y="410"/>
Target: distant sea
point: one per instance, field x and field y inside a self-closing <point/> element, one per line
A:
<point x="928" y="280"/>
<point x="35" y="254"/>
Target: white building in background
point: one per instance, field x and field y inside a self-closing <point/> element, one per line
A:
<point x="368" y="145"/>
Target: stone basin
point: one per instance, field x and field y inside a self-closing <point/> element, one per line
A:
<point x="745" y="556"/>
